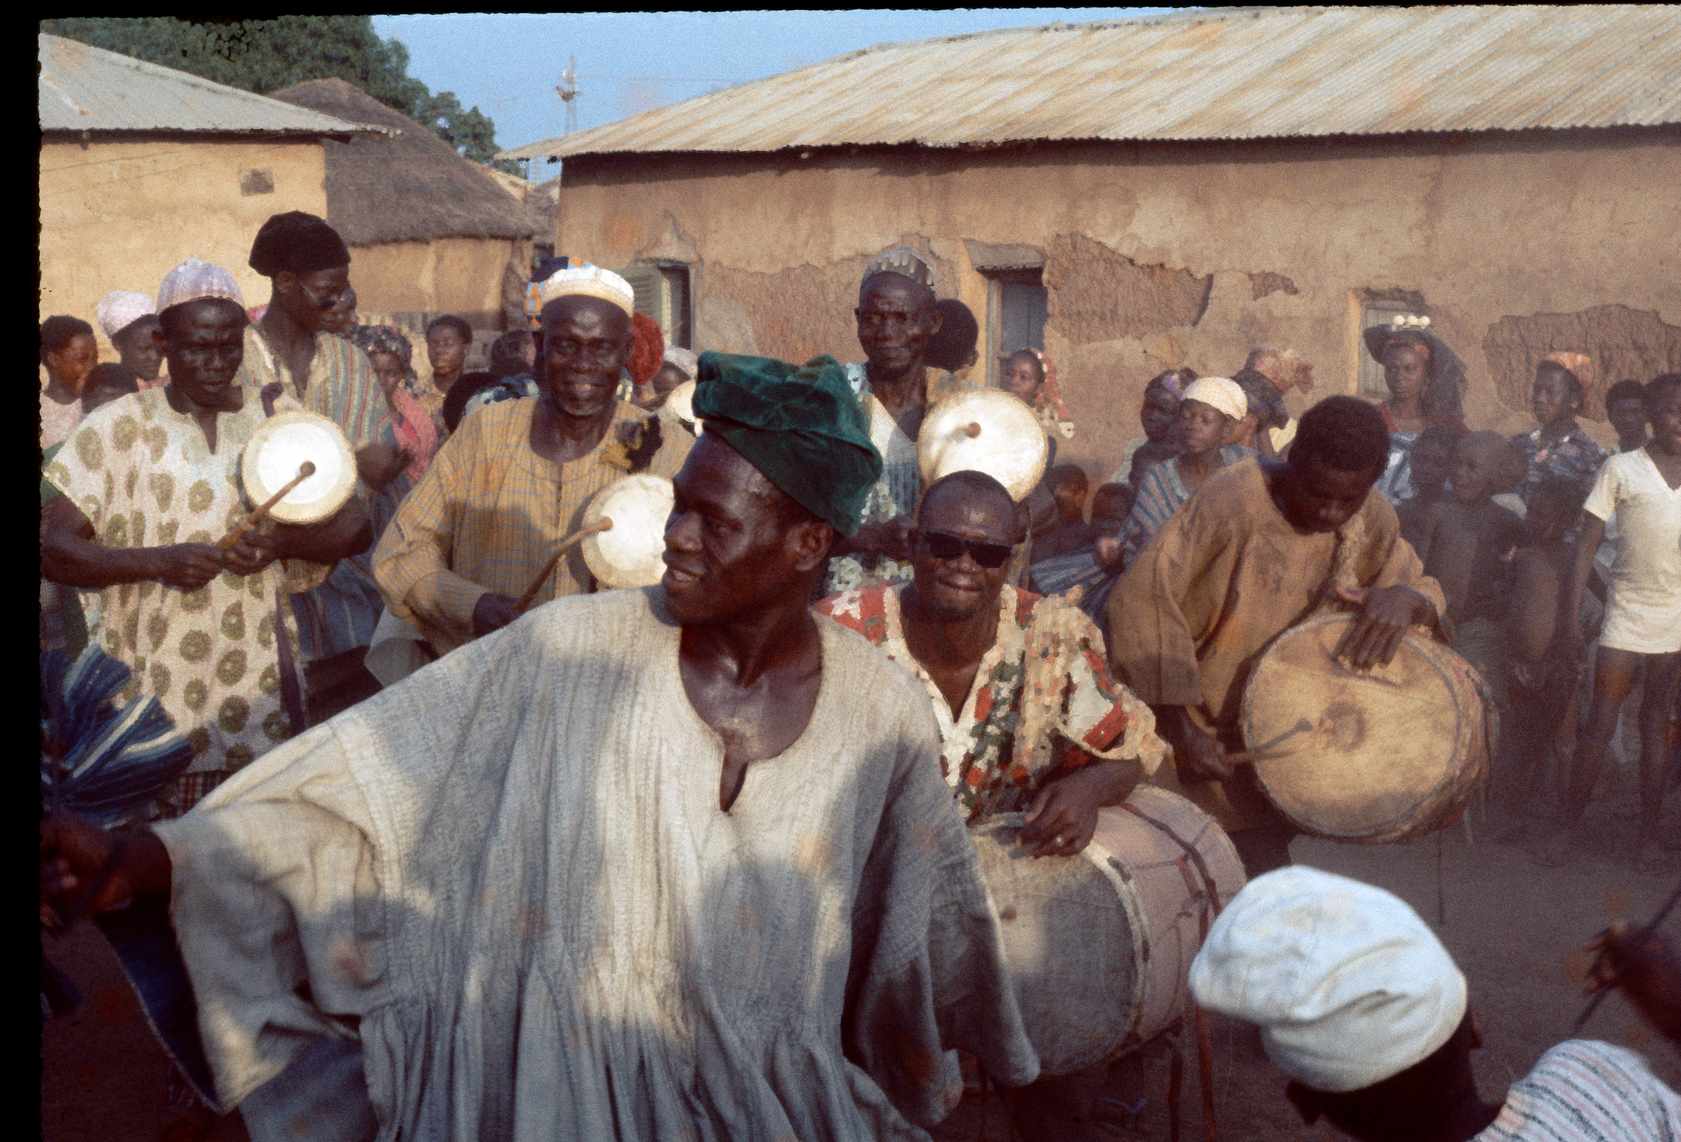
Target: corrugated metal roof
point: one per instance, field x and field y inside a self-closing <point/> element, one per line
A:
<point x="1234" y="74"/>
<point x="83" y="88"/>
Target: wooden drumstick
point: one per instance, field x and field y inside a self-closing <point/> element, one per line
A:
<point x="566" y="545"/>
<point x="1266" y="750"/>
<point x="305" y="471"/>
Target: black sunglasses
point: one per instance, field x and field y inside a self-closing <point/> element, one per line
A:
<point x="945" y="546"/>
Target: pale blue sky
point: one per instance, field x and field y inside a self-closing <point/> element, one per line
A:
<point x="508" y="65"/>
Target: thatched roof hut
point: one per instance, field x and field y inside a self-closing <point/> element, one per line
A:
<point x="429" y="230"/>
<point x="406" y="187"/>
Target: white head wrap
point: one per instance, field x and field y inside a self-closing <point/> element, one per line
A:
<point x="683" y="360"/>
<point x="1222" y="393"/>
<point x="121" y="308"/>
<point x="1348" y="986"/>
<point x="194" y="279"/>
<point x="588" y="281"/>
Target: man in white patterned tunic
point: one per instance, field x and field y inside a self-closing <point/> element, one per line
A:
<point x="663" y="864"/>
<point x="149" y="485"/>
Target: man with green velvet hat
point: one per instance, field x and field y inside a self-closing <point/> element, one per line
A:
<point x="643" y="864"/>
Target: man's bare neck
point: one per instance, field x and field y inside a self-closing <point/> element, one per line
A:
<point x="947" y="643"/>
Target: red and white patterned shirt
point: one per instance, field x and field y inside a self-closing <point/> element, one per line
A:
<point x="1043" y="700"/>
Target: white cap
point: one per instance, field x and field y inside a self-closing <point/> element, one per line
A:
<point x="1221" y="393"/>
<point x="588" y="281"/>
<point x="1348" y="986"/>
<point x="683" y="360"/>
<point x="121" y="308"/>
<point x="194" y="279"/>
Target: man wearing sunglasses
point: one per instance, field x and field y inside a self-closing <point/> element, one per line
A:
<point x="979" y="647"/>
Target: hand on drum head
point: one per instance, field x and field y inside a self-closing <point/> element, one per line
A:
<point x="1385" y="615"/>
<point x="1062" y="817"/>
<point x="187" y="566"/>
<point x="254" y="551"/>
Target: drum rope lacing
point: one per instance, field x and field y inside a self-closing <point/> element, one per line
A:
<point x="1206" y="916"/>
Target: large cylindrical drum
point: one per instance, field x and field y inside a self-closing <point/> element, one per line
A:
<point x="1394" y="752"/>
<point x="1099" y="945"/>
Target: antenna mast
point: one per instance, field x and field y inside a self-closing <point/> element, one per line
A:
<point x="568" y="92"/>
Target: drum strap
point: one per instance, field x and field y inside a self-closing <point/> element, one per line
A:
<point x="1206" y="915"/>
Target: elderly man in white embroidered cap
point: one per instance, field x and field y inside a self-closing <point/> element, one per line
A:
<point x="149" y="484"/>
<point x="130" y="321"/>
<point x="1359" y="1003"/>
<point x="515" y="478"/>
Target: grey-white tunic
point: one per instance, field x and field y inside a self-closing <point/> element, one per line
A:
<point x="507" y="884"/>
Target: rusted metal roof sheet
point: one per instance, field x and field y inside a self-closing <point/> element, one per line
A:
<point x="1234" y="74"/>
<point x="82" y="88"/>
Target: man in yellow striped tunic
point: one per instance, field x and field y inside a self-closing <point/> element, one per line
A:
<point x="515" y="478"/>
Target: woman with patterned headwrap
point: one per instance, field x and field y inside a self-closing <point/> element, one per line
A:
<point x="415" y="430"/>
<point x="1426" y="380"/>
<point x="1558" y="446"/>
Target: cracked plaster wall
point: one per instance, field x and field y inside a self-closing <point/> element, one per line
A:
<point x="1162" y="255"/>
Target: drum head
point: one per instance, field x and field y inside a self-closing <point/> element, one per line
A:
<point x="680" y="402"/>
<point x="1393" y="751"/>
<point x="632" y="554"/>
<point x="1069" y="945"/>
<point x="271" y="458"/>
<point x="1010" y="446"/>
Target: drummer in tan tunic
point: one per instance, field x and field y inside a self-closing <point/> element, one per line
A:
<point x="1260" y="547"/>
<point x="513" y="482"/>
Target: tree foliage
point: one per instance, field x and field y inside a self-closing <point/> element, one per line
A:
<point x="266" y="55"/>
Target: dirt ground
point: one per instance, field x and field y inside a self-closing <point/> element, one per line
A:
<point x="1515" y="928"/>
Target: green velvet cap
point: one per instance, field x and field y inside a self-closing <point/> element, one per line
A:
<point x="798" y="424"/>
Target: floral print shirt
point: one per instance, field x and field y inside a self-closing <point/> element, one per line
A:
<point x="1043" y="700"/>
<point x="1576" y="457"/>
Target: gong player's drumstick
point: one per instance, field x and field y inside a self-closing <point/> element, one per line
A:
<point x="972" y="429"/>
<point x="305" y="471"/>
<point x="566" y="545"/>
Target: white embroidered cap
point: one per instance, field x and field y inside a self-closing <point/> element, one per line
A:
<point x="194" y="279"/>
<point x="121" y="308"/>
<point x="589" y="281"/>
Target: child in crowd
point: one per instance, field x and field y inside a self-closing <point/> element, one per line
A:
<point x="1540" y="688"/>
<point x="1068" y="486"/>
<point x="1466" y="542"/>
<point x="1208" y="415"/>
<point x="1625" y="408"/>
<point x="1642" y="491"/>
<point x="1558" y="446"/>
<point x="1432" y="465"/>
<point x="1159" y="414"/>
